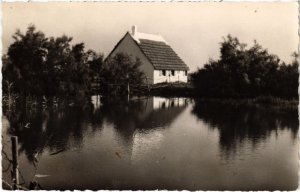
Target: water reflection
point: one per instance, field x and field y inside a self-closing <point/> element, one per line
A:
<point x="157" y="143"/>
<point x="61" y="129"/>
<point x="238" y="123"/>
<point x="53" y="129"/>
<point x="141" y="119"/>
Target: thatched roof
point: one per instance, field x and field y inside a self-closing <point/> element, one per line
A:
<point x="161" y="55"/>
<point x="157" y="50"/>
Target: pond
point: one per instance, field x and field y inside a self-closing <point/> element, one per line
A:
<point x="155" y="143"/>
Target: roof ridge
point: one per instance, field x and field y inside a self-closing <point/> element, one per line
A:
<point x="148" y="36"/>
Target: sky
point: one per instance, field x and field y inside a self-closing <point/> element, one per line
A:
<point x="194" y="30"/>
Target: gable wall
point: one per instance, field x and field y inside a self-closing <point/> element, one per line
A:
<point x="127" y="45"/>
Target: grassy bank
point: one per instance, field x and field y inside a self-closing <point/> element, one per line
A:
<point x="176" y="89"/>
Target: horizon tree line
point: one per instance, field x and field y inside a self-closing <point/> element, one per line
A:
<point x="37" y="65"/>
<point x="243" y="72"/>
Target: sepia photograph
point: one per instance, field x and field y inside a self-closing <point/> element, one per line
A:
<point x="189" y="96"/>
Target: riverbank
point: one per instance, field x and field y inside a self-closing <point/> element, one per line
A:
<point x="187" y="90"/>
<point x="261" y="101"/>
<point x="169" y="90"/>
<point x="177" y="89"/>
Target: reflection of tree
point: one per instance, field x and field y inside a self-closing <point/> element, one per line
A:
<point x="240" y="123"/>
<point x="49" y="128"/>
<point x="64" y="127"/>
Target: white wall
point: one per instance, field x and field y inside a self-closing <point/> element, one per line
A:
<point x="127" y="45"/>
<point x="179" y="76"/>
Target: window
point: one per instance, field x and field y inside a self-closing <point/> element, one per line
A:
<point x="160" y="73"/>
<point x="185" y="73"/>
<point x="172" y="104"/>
<point x="163" y="106"/>
<point x="164" y="72"/>
<point x="173" y="73"/>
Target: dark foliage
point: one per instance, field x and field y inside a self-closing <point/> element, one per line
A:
<point x="118" y="72"/>
<point x="47" y="66"/>
<point x="239" y="122"/>
<point x="246" y="73"/>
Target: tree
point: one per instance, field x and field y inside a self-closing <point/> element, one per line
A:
<point x="27" y="58"/>
<point x="47" y="66"/>
<point x="95" y="62"/>
<point x="242" y="72"/>
<point x="118" y="72"/>
<point x="58" y="58"/>
<point x="288" y="79"/>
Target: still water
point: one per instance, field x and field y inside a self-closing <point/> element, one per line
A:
<point x="156" y="143"/>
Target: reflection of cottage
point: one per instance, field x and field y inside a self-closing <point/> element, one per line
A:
<point x="160" y="63"/>
<point x="143" y="131"/>
<point x="159" y="112"/>
<point x="161" y="102"/>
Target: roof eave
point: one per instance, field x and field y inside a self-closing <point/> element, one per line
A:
<point x="179" y="68"/>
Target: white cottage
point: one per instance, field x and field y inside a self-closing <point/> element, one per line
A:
<point x="160" y="63"/>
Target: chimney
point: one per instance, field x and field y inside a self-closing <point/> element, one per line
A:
<point x="134" y="30"/>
